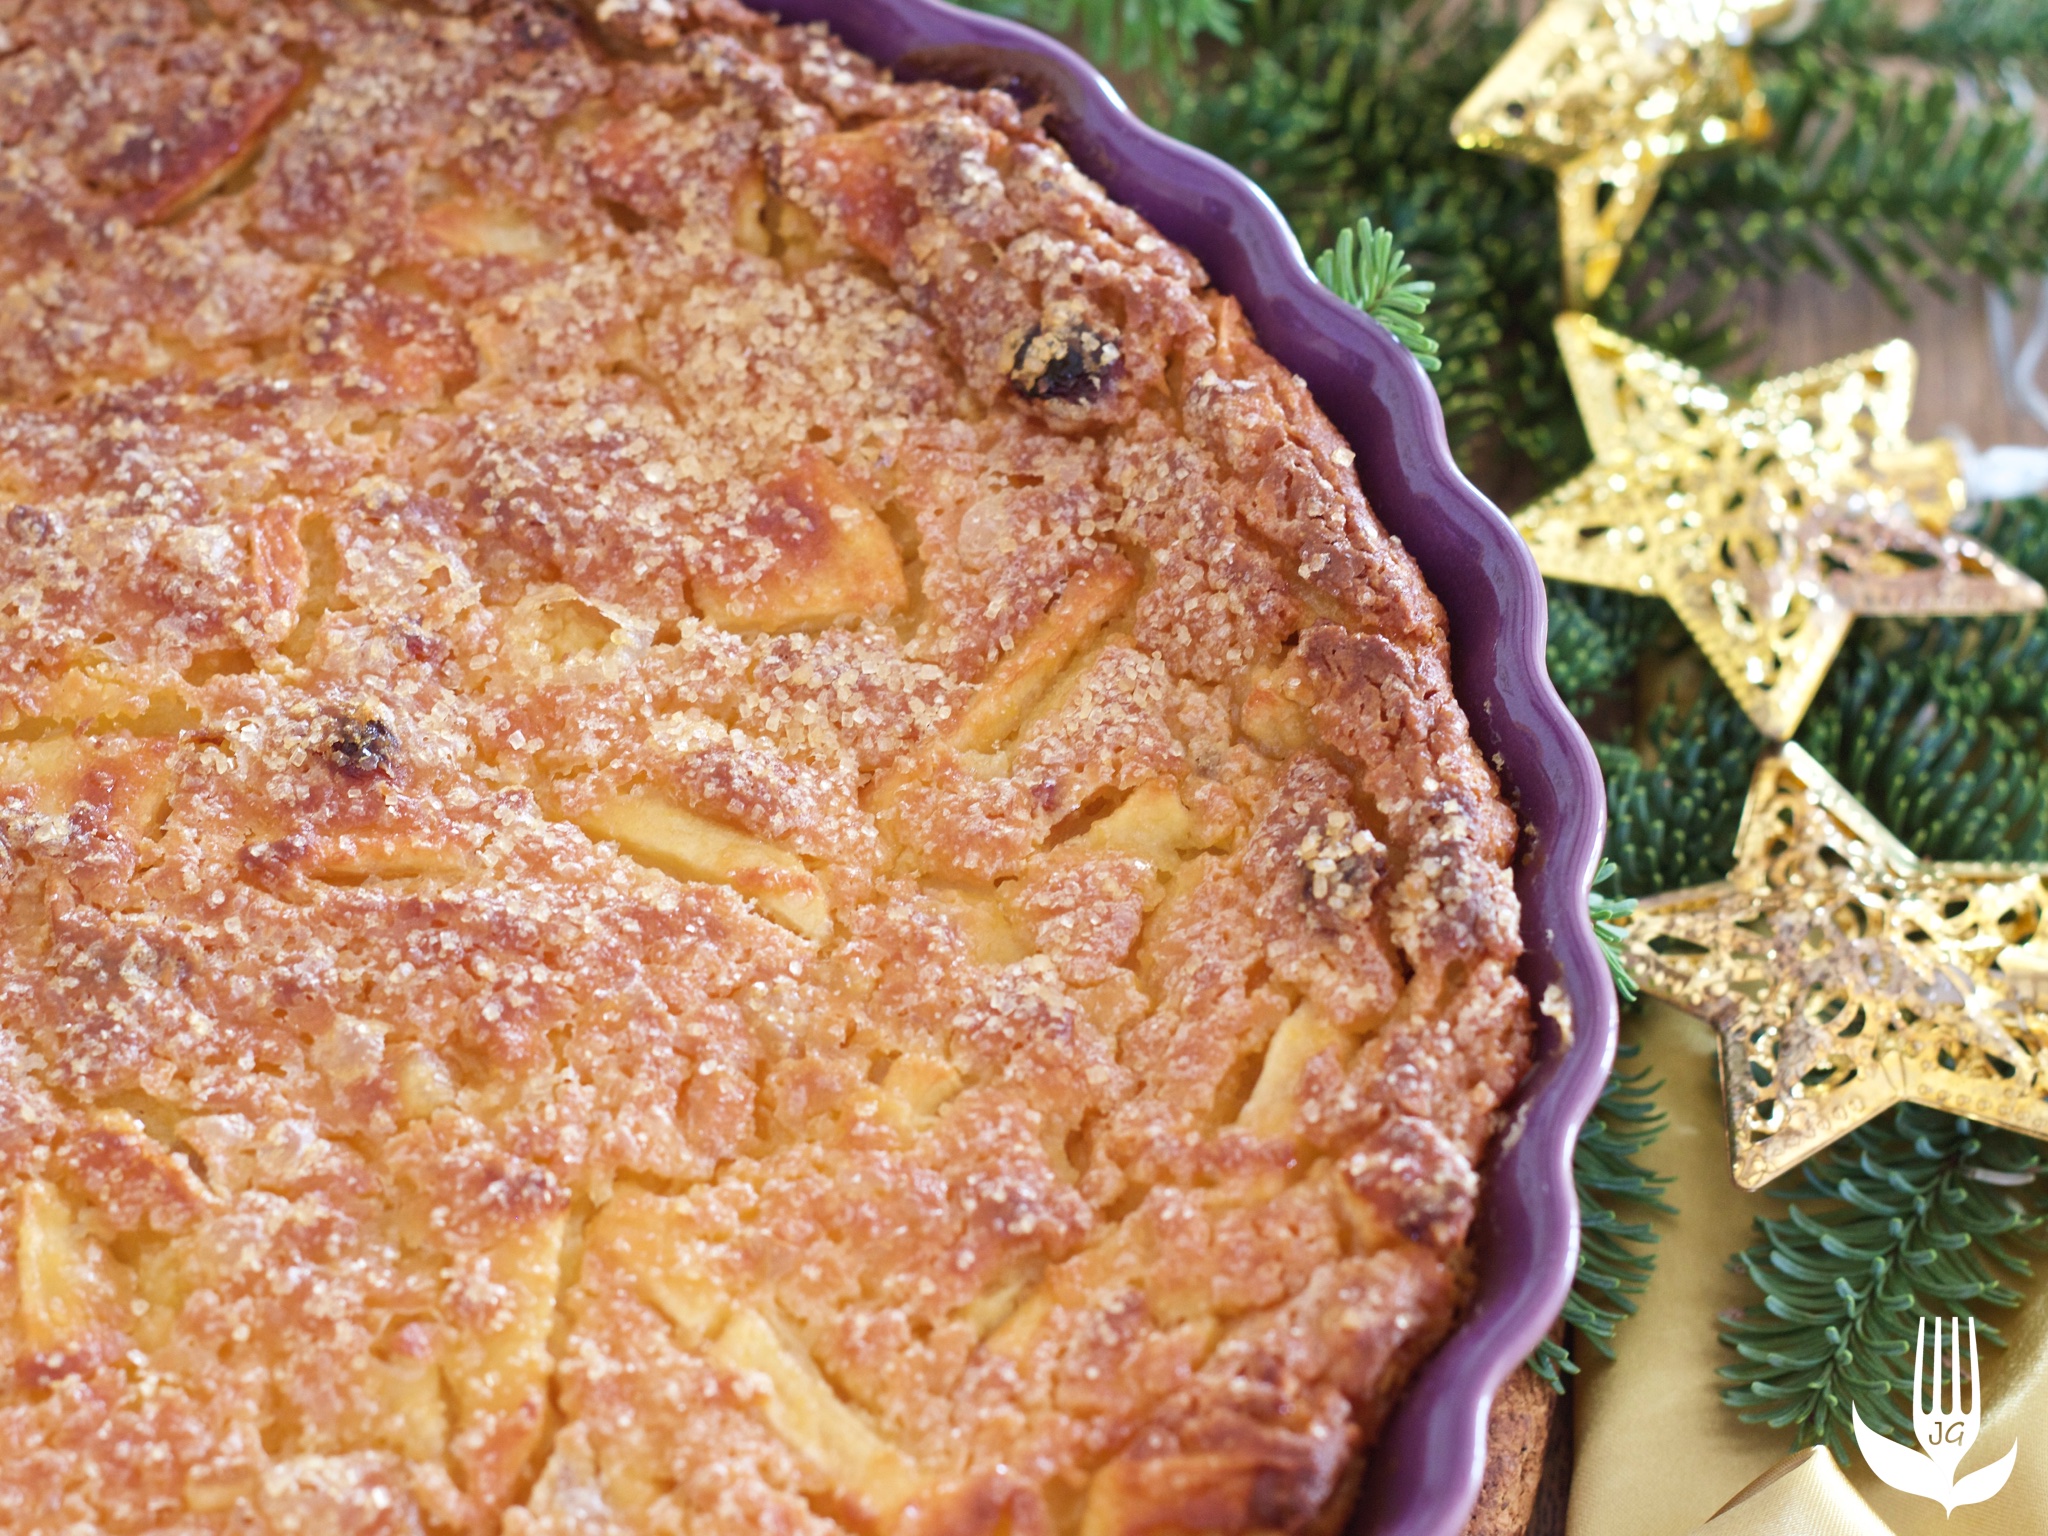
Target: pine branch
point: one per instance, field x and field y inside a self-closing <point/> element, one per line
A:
<point x="1257" y="113"/>
<point x="1130" y="34"/>
<point x="1988" y="38"/>
<point x="2018" y="530"/>
<point x="1941" y="729"/>
<point x="1368" y="272"/>
<point x="1609" y="913"/>
<point x="1910" y="722"/>
<point x="1614" y="1257"/>
<point x="1596" y="637"/>
<point x="1919" y="1213"/>
<point x="1615" y="1260"/>
<point x="1899" y="180"/>
<point x="1672" y="811"/>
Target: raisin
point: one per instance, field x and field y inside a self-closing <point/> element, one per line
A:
<point x="362" y="747"/>
<point x="1070" y="362"/>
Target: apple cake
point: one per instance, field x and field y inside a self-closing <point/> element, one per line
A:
<point x="718" y="816"/>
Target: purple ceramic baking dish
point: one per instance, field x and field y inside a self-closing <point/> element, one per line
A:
<point x="1424" y="1474"/>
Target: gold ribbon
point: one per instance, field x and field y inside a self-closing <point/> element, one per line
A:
<point x="1658" y="1455"/>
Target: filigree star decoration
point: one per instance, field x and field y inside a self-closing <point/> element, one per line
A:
<point x="1608" y="93"/>
<point x="1769" y="523"/>
<point x="1844" y="975"/>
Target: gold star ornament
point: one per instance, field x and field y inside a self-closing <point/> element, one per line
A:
<point x="1769" y="523"/>
<point x="1844" y="975"/>
<point x="1607" y="93"/>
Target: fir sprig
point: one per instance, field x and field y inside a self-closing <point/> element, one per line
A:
<point x="1988" y="39"/>
<point x="2018" y="530"/>
<point x="1615" y="1257"/>
<point x="1615" y="1251"/>
<point x="1130" y="34"/>
<point x="1368" y="271"/>
<point x="1597" y="640"/>
<point x="1342" y="107"/>
<point x="1937" y="729"/>
<point x="1941" y="729"/>
<point x="1674" y="805"/>
<point x="1898" y="180"/>
<point x="1608" y="914"/>
<point x="1920" y="1214"/>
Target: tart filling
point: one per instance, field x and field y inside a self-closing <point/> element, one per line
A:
<point x="717" y="815"/>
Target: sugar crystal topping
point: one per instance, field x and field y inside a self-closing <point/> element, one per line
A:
<point x="717" y="815"/>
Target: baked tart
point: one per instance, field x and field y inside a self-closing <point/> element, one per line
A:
<point x="718" y="816"/>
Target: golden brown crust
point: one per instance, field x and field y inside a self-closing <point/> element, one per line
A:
<point x="719" y="817"/>
<point x="1520" y="1431"/>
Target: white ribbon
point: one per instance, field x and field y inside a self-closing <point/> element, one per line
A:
<point x="1797" y="21"/>
<point x="2002" y="472"/>
<point x="2017" y="365"/>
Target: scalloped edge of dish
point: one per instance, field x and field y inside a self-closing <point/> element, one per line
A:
<point x="1423" y="1473"/>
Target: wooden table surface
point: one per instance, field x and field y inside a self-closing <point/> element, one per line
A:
<point x="1806" y="322"/>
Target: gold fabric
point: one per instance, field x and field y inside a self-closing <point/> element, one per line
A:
<point x="1806" y="1493"/>
<point x="1657" y="1453"/>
